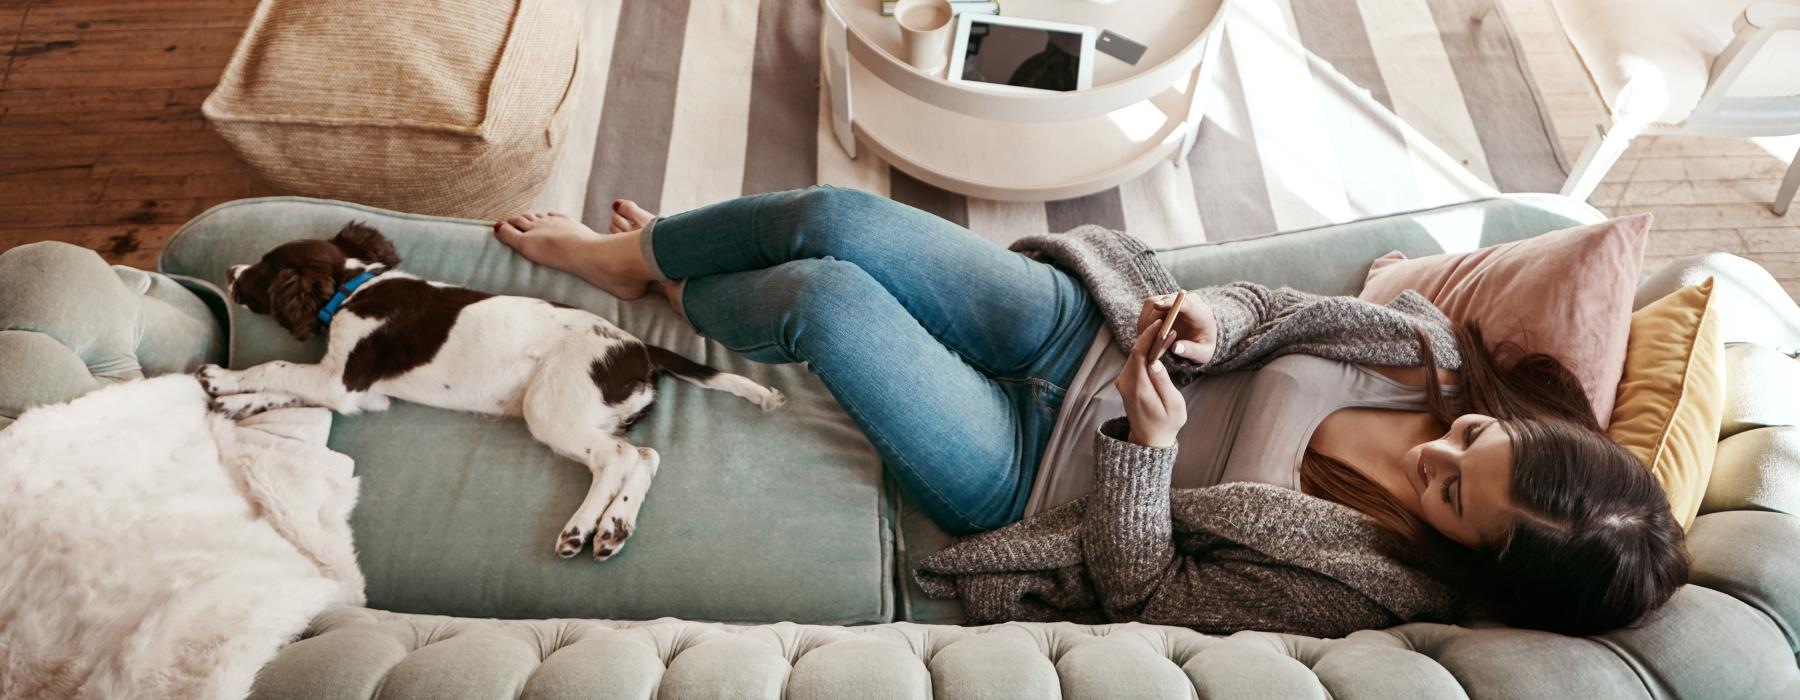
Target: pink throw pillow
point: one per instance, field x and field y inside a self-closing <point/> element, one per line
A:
<point x="1566" y="294"/>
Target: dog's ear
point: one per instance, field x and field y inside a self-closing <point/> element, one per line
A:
<point x="295" y="298"/>
<point x="366" y="244"/>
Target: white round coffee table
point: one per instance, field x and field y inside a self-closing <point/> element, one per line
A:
<point x="1024" y="146"/>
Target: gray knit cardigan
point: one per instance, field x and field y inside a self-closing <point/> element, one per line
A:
<point x="1224" y="558"/>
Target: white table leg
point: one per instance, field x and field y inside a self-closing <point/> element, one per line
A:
<point x="836" y="67"/>
<point x="1198" y="84"/>
<point x="1603" y="149"/>
<point x="1788" y="184"/>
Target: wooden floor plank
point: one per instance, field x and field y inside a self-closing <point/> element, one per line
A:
<point x="79" y="98"/>
<point x="12" y="17"/>
<point x="52" y="124"/>
<point x="136" y="245"/>
<point x="116" y="212"/>
<point x="120" y="77"/>
<point x="99" y="50"/>
<point x="157" y="142"/>
<point x="162" y="17"/>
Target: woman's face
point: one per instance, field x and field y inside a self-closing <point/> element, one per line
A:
<point x="1463" y="480"/>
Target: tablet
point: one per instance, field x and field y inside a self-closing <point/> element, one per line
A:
<point x="1014" y="54"/>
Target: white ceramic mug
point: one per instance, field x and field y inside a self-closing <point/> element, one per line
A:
<point x="925" y="27"/>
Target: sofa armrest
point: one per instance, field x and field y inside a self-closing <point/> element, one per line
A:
<point x="1750" y="555"/>
<point x="1742" y="542"/>
<point x="69" y="323"/>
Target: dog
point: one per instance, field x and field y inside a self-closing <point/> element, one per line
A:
<point x="578" y="380"/>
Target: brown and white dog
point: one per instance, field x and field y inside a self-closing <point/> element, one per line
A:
<point x="578" y="380"/>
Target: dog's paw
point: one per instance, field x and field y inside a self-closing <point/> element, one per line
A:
<point x="570" y="541"/>
<point x="241" y="406"/>
<point x="772" y="400"/>
<point x="612" y="539"/>
<point x="216" y="380"/>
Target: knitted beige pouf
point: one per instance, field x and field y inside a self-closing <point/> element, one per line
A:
<point x="452" y="108"/>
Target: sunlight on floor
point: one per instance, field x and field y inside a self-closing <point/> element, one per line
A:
<point x="1782" y="147"/>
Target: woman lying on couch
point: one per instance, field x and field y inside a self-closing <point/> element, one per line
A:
<point x="1347" y="465"/>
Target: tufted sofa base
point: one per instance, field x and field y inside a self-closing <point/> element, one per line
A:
<point x="363" y="653"/>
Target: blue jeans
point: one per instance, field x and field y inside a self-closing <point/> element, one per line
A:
<point x="951" y="353"/>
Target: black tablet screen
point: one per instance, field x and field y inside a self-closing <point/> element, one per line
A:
<point x="1022" y="56"/>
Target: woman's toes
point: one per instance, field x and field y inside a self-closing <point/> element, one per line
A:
<point x="521" y="222"/>
<point x="638" y="216"/>
<point x="507" y="233"/>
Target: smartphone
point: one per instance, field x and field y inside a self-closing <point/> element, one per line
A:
<point x="1165" y="334"/>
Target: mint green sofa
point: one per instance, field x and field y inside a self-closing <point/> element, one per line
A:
<point x="771" y="558"/>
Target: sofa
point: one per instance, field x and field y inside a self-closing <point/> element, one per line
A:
<point x="772" y="558"/>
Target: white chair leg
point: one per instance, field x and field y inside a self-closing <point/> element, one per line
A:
<point x="1603" y="149"/>
<point x="1785" y="195"/>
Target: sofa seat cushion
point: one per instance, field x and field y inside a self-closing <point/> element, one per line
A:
<point x="754" y="516"/>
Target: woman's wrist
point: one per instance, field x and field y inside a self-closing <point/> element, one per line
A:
<point x="1150" y="440"/>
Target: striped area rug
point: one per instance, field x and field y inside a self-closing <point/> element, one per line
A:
<point x="1320" y="111"/>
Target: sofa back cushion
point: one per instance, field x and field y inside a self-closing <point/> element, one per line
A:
<point x="1566" y="294"/>
<point x="754" y="517"/>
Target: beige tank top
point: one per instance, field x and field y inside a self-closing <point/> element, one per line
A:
<point x="1243" y="426"/>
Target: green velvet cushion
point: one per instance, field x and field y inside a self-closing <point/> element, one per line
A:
<point x="1324" y="260"/>
<point x="753" y="517"/>
<point x="69" y="324"/>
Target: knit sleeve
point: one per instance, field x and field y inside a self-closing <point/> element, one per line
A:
<point x="1140" y="572"/>
<point x="1231" y="588"/>
<point x="1125" y="531"/>
<point x="1256" y="324"/>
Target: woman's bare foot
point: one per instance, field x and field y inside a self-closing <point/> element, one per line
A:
<point x="612" y="263"/>
<point x="627" y="216"/>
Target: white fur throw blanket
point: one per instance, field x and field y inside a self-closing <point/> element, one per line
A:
<point x="149" y="548"/>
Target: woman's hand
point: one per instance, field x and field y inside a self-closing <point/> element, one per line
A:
<point x="1196" y="329"/>
<point x="1156" y="408"/>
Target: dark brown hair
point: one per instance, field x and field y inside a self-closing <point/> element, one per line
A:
<point x="1593" y="545"/>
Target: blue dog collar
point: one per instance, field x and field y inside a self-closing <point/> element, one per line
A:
<point x="343" y="293"/>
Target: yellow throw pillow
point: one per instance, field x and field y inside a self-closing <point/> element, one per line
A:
<point x="1672" y="398"/>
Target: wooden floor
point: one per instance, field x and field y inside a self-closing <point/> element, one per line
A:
<point x="101" y="139"/>
<point x="102" y="143"/>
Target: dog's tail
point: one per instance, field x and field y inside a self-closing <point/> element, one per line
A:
<point x="708" y="378"/>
